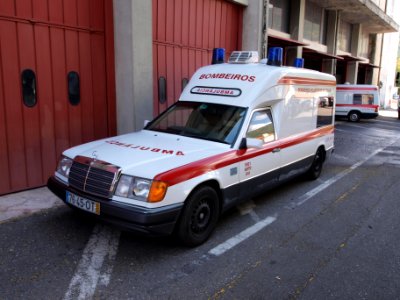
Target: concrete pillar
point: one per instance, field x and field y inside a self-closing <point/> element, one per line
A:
<point x="377" y="59"/>
<point x="253" y="36"/>
<point x="351" y="72"/>
<point x="297" y="13"/>
<point x="352" y="67"/>
<point x="133" y="63"/>
<point x="329" y="65"/>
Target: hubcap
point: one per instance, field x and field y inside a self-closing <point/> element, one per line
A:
<point x="354" y="117"/>
<point x="201" y="217"/>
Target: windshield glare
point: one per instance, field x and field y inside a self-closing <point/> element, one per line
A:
<point x="214" y="122"/>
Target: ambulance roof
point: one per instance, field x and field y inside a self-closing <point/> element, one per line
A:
<point x="356" y="87"/>
<point x="243" y="84"/>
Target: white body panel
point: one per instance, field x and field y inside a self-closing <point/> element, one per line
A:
<point x="293" y="96"/>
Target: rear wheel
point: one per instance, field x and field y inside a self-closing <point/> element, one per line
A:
<point x="354" y="116"/>
<point x="199" y="217"/>
<point x="316" y="168"/>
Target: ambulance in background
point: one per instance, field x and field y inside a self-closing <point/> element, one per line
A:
<point x="238" y="129"/>
<point x="357" y="101"/>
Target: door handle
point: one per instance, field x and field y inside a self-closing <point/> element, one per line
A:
<point x="276" y="150"/>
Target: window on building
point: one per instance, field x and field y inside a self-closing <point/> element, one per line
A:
<point x="344" y="40"/>
<point x="325" y="111"/>
<point x="315" y="23"/>
<point x="279" y="15"/>
<point x="363" y="99"/>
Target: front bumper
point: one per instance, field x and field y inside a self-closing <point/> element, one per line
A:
<point x="153" y="221"/>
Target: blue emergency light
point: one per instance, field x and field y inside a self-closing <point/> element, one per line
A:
<point x="275" y="56"/>
<point x="218" y="56"/>
<point x="299" y="62"/>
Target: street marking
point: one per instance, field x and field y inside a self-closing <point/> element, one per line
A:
<point x="390" y="152"/>
<point x="237" y="239"/>
<point x="101" y="249"/>
<point x="307" y="196"/>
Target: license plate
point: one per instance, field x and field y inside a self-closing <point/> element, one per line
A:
<point x="84" y="204"/>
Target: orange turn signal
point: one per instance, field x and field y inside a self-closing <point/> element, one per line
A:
<point x="157" y="192"/>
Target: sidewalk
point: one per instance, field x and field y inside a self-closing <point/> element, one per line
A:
<point x="31" y="201"/>
<point x="26" y="203"/>
<point x="389" y="112"/>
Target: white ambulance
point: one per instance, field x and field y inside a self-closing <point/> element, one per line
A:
<point x="357" y="101"/>
<point x="238" y="128"/>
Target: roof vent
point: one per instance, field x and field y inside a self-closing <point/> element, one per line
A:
<point x="243" y="57"/>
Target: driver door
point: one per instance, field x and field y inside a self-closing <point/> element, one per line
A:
<point x="261" y="170"/>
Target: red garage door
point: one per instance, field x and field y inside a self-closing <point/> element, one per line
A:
<point x="56" y="84"/>
<point x="184" y="34"/>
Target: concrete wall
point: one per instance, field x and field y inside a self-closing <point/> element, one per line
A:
<point x="388" y="70"/>
<point x="133" y="63"/>
<point x="388" y="56"/>
<point x="252" y="35"/>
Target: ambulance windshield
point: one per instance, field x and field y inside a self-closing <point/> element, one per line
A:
<point x="214" y="122"/>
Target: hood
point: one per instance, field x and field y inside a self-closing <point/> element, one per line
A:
<point x="148" y="153"/>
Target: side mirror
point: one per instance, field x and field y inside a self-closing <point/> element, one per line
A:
<point x="251" y="143"/>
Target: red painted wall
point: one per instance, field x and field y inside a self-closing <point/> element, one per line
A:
<point x="184" y="34"/>
<point x="52" y="38"/>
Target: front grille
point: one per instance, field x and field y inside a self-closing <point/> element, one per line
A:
<point x="93" y="176"/>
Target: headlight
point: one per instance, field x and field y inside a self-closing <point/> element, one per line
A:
<point x="141" y="189"/>
<point x="63" y="167"/>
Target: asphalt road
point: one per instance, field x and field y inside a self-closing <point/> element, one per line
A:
<point x="334" y="238"/>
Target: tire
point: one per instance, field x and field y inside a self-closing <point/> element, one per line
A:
<point x="199" y="217"/>
<point x="354" y="116"/>
<point x="316" y="168"/>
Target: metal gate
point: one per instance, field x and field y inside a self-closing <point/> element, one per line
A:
<point x="184" y="34"/>
<point x="56" y="84"/>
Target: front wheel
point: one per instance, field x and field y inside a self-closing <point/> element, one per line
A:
<point x="354" y="116"/>
<point x="199" y="217"/>
<point x="316" y="168"/>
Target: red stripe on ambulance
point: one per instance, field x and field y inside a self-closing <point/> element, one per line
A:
<point x="219" y="161"/>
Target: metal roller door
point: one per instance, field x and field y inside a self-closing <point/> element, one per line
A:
<point x="56" y="84"/>
<point x="184" y="34"/>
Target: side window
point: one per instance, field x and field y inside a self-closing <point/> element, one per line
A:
<point x="357" y="99"/>
<point x="261" y="126"/>
<point x="325" y="111"/>
<point x="365" y="99"/>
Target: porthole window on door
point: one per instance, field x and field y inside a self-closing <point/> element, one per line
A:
<point x="28" y="79"/>
<point x="74" y="92"/>
<point x="162" y="90"/>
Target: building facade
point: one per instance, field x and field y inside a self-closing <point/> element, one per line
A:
<point x="344" y="38"/>
<point x="78" y="70"/>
